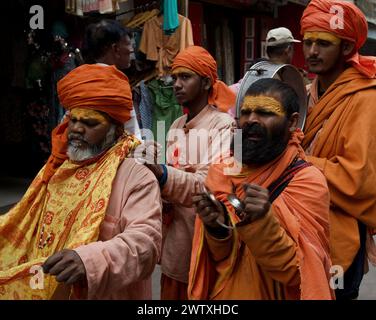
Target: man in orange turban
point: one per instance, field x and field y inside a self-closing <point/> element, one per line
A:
<point x="194" y="141"/>
<point x="263" y="232"/>
<point x="89" y="226"/>
<point x="340" y="130"/>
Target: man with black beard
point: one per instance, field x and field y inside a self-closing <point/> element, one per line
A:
<point x="263" y="232"/>
<point x="260" y="146"/>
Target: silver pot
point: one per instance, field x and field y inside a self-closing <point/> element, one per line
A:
<point x="285" y="72"/>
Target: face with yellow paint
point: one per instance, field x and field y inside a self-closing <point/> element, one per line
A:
<point x="89" y="133"/>
<point x="266" y="121"/>
<point x="322" y="52"/>
<point x="265" y="131"/>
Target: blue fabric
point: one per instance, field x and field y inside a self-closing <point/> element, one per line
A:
<point x="146" y="107"/>
<point x="163" y="179"/>
<point x="170" y="16"/>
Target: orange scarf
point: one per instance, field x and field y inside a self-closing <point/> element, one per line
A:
<point x="65" y="213"/>
<point x="201" y="62"/>
<point x="309" y="233"/>
<point x="346" y="159"/>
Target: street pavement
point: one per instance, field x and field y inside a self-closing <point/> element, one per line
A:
<point x="367" y="288"/>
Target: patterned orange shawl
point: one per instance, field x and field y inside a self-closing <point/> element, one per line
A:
<point x="65" y="213"/>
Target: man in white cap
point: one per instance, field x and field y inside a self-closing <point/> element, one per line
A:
<point x="280" y="50"/>
<point x="279" y="45"/>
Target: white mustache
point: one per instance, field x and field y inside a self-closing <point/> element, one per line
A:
<point x="73" y="136"/>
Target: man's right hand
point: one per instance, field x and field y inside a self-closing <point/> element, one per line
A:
<point x="207" y="211"/>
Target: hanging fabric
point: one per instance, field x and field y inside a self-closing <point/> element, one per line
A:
<point x="170" y="16"/>
<point x="163" y="48"/>
<point x="81" y="7"/>
<point x="165" y="106"/>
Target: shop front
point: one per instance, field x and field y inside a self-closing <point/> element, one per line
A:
<point x="35" y="60"/>
<point x="235" y="31"/>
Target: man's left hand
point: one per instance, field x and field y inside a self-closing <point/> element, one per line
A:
<point x="66" y="265"/>
<point x="256" y="203"/>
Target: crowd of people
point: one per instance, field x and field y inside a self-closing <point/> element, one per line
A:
<point x="243" y="208"/>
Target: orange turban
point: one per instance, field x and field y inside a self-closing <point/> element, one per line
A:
<point x="92" y="87"/>
<point x="318" y="17"/>
<point x="98" y="88"/>
<point x="200" y="61"/>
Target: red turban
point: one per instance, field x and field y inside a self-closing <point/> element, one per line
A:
<point x="318" y="17"/>
<point x="96" y="87"/>
<point x="200" y="61"/>
<point x="93" y="87"/>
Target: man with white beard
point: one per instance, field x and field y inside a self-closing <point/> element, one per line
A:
<point x="91" y="219"/>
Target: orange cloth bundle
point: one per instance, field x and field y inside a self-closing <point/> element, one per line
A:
<point x="200" y="61"/>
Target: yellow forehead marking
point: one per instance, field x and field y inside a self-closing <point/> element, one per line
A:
<point x="263" y="103"/>
<point x="183" y="70"/>
<point x="79" y="114"/>
<point x="320" y="35"/>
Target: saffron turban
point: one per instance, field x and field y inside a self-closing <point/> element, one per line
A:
<point x="91" y="87"/>
<point x="346" y="21"/>
<point x="98" y="88"/>
<point x="201" y="62"/>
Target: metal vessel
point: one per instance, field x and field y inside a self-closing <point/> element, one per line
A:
<point x="284" y="72"/>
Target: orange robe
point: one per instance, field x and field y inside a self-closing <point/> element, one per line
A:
<point x="340" y="136"/>
<point x="284" y="255"/>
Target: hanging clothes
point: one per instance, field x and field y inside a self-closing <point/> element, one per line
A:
<point x="170" y="16"/>
<point x="146" y="107"/>
<point x="165" y="106"/>
<point x="81" y="7"/>
<point x="139" y="19"/>
<point x="136" y="98"/>
<point x="163" y="48"/>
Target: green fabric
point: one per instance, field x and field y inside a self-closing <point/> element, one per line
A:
<point x="59" y="29"/>
<point x="170" y="16"/>
<point x="36" y="70"/>
<point x="165" y="108"/>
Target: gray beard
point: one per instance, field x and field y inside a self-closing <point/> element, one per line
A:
<point x="77" y="154"/>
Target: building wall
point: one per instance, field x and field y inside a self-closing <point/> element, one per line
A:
<point x="285" y="14"/>
<point x="369" y="9"/>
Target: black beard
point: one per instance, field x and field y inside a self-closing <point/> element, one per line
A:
<point x="263" y="151"/>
